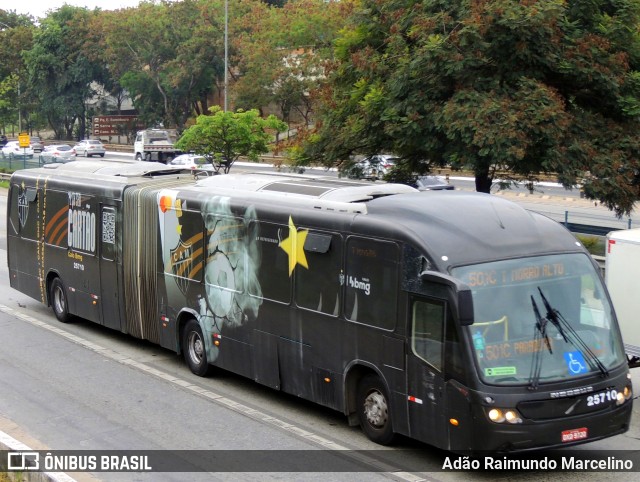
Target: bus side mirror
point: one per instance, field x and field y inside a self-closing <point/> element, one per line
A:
<point x="465" y="307"/>
<point x="463" y="300"/>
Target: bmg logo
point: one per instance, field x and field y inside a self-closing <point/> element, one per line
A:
<point x="23" y="461"/>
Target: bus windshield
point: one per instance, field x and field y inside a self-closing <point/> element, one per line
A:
<point x="540" y="319"/>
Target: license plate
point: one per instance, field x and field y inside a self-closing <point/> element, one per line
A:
<point x="574" y="434"/>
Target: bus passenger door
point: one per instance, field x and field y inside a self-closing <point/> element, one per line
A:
<point x="425" y="362"/>
<point x="109" y="283"/>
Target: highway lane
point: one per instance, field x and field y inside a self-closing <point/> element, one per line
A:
<point x="548" y="198"/>
<point x="79" y="387"/>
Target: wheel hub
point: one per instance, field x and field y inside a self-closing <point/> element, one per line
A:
<point x="376" y="409"/>
<point x="196" y="348"/>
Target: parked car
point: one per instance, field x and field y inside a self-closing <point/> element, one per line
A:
<point x="57" y="153"/>
<point x="372" y="167"/>
<point x="36" y="144"/>
<point x="432" y="183"/>
<point x="12" y="150"/>
<point x="90" y="147"/>
<point x="192" y="161"/>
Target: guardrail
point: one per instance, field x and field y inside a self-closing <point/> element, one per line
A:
<point x="591" y="230"/>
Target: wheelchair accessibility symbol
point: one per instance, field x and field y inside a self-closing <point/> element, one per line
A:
<point x="575" y="363"/>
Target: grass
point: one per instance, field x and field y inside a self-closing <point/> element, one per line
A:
<point x="594" y="244"/>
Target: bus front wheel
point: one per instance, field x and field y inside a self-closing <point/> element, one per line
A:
<point x="58" y="299"/>
<point x="194" y="350"/>
<point x="373" y="410"/>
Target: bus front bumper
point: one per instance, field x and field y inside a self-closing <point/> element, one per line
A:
<point x="533" y="435"/>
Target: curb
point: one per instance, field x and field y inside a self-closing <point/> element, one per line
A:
<point x="12" y="445"/>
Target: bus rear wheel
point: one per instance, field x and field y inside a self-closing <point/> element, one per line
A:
<point x="373" y="410"/>
<point x="194" y="349"/>
<point x="58" y="300"/>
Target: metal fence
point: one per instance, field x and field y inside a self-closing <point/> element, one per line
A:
<point x="19" y="162"/>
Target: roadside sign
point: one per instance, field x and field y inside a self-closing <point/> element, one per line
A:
<point x="24" y="140"/>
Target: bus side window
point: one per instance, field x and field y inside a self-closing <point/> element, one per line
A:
<point x="318" y="287"/>
<point x="273" y="280"/>
<point x="28" y="212"/>
<point x="427" y="330"/>
<point x="183" y="264"/>
<point x="14" y="218"/>
<point x="371" y="282"/>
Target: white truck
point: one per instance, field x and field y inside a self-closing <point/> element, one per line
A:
<point x="154" y="145"/>
<point x="621" y="270"/>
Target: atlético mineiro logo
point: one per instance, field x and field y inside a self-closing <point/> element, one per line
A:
<point x="181" y="264"/>
<point x="23" y="206"/>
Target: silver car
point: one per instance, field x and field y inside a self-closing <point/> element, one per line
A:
<point x="373" y="167"/>
<point x="36" y="144"/>
<point x="90" y="147"/>
<point x="433" y="183"/>
<point x="57" y="153"/>
<point x="12" y="150"/>
<point x="193" y="162"/>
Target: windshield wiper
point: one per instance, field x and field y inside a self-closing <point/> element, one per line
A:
<point x="570" y="335"/>
<point x="541" y="325"/>
<point x="539" y="335"/>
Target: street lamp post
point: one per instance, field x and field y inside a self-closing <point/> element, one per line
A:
<point x="226" y="53"/>
<point x="19" y="110"/>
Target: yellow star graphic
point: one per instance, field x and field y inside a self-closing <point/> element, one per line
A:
<point x="294" y="246"/>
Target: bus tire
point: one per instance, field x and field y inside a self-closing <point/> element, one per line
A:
<point x="193" y="349"/>
<point x="58" y="300"/>
<point x="374" y="411"/>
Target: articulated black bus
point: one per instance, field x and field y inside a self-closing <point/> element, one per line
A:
<point x="458" y="319"/>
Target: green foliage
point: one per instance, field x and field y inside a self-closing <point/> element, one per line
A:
<point x="59" y="71"/>
<point x="230" y="135"/>
<point x="169" y="56"/>
<point x="16" y="36"/>
<point x="593" y="244"/>
<point x="518" y="87"/>
<point x="283" y="54"/>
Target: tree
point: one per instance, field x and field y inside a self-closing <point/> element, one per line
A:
<point x="282" y="53"/>
<point x="169" y="56"/>
<point x="16" y="36"/>
<point x="226" y="136"/>
<point x="60" y="74"/>
<point x="517" y="88"/>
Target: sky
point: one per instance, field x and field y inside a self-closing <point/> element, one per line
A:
<point x="39" y="8"/>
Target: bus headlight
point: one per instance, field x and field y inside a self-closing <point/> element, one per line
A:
<point x="502" y="415"/>
<point x="624" y="395"/>
<point x="495" y="415"/>
<point x="512" y="416"/>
